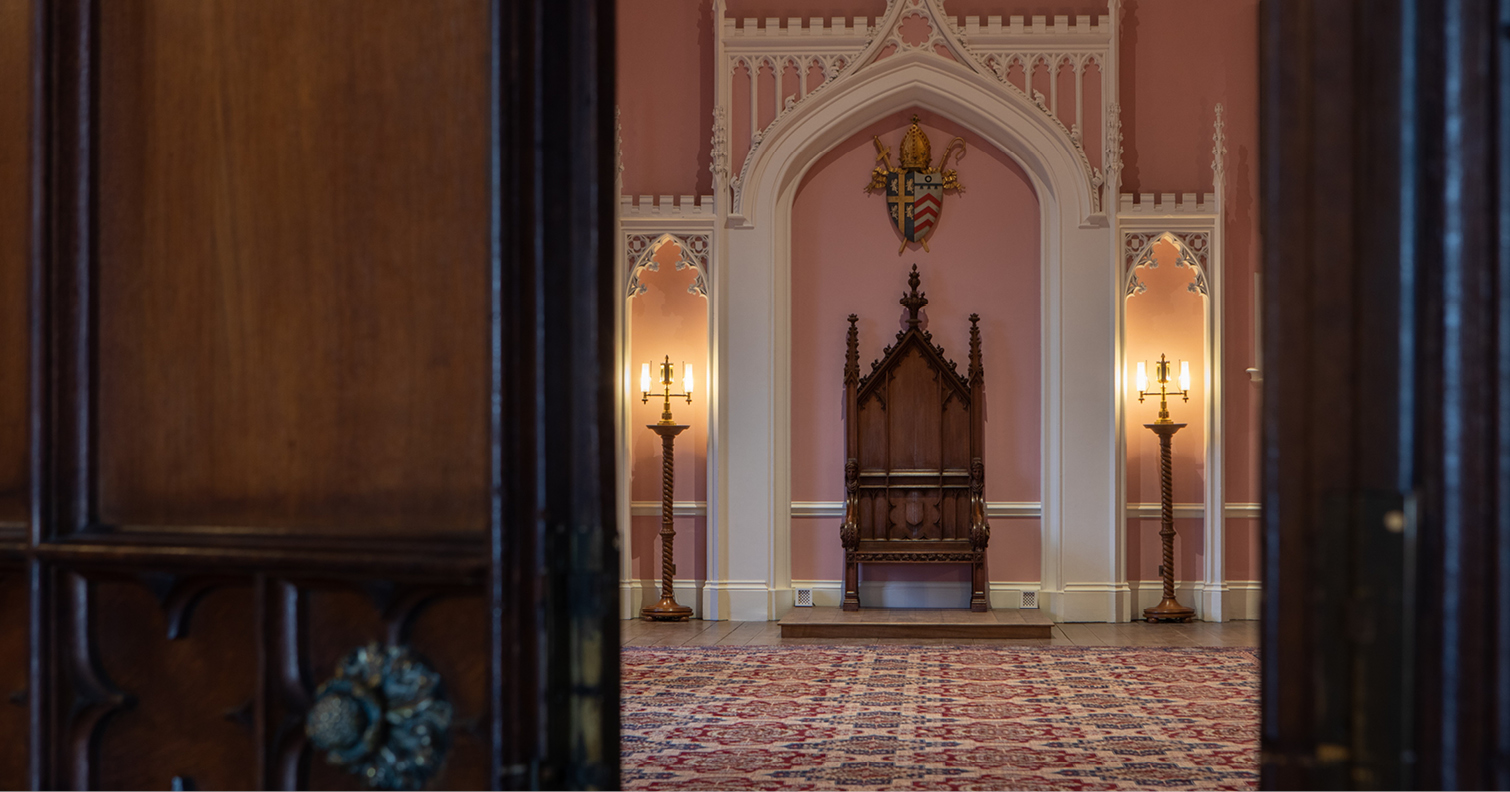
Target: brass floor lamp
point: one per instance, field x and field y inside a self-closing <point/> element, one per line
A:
<point x="1168" y="609"/>
<point x="667" y="609"/>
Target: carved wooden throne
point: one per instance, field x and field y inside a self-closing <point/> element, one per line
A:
<point x="913" y="475"/>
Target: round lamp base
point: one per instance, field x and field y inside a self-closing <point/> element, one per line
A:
<point x="1169" y="610"/>
<point x="666" y="610"/>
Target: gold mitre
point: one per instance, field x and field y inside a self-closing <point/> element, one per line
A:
<point x="916" y="153"/>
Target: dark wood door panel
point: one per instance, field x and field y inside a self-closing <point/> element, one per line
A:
<point x="450" y="632"/>
<point x="288" y="292"/>
<point x="292" y="277"/>
<point x="15" y="235"/>
<point x="15" y="232"/>
<point x="192" y="698"/>
<point x="209" y="679"/>
<point x="320" y="624"/>
<point x="13" y="689"/>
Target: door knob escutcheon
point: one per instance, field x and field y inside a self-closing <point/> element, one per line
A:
<point x="384" y="717"/>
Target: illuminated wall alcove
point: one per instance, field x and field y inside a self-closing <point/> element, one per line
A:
<point x="1166" y="314"/>
<point x="665" y="314"/>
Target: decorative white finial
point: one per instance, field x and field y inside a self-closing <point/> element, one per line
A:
<point x="1114" y="140"/>
<point x="1219" y="152"/>
<point x="719" y="165"/>
<point x="618" y="147"/>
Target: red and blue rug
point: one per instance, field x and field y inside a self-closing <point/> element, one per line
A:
<point x="939" y="717"/>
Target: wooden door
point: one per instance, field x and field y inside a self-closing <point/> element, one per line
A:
<point x="272" y="388"/>
<point x="1386" y="394"/>
<point x="15" y="103"/>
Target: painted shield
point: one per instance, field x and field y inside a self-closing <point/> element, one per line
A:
<point x="915" y="199"/>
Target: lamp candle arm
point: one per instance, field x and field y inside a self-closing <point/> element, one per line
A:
<point x="1161" y="374"/>
<point x="666" y="394"/>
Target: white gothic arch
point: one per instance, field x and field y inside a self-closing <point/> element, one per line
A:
<point x="1082" y="496"/>
<point x="692" y="249"/>
<point x="1190" y="251"/>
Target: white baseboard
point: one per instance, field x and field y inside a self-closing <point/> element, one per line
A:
<point x="637" y="594"/>
<point x="742" y="600"/>
<point x="1245" y="600"/>
<point x="1088" y="602"/>
<point x="891" y="593"/>
<point x="914" y="594"/>
<point x="754" y="601"/>
<point x="1236" y="600"/>
<point x="1003" y="595"/>
<point x="1007" y="595"/>
<point x="826" y="593"/>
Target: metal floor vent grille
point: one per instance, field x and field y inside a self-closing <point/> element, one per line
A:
<point x="804" y="598"/>
<point x="1029" y="599"/>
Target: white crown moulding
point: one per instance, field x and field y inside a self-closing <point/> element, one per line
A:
<point x="861" y="28"/>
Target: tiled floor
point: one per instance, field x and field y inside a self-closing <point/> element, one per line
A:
<point x="733" y="633"/>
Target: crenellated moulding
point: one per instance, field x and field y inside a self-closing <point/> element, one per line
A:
<point x="664" y="206"/>
<point x="1167" y="205"/>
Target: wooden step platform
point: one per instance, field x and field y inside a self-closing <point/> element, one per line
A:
<point x="907" y="623"/>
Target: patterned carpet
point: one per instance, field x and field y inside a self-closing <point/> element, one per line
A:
<point x="939" y="717"/>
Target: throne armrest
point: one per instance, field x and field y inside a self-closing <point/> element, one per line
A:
<point x="849" y="530"/>
<point x="980" y="527"/>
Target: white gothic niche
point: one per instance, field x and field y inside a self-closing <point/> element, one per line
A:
<point x="667" y="315"/>
<point x="1166" y="308"/>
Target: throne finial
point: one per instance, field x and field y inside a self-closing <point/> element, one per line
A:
<point x="915" y="300"/>
<point x="852" y="354"/>
<point x="977" y="374"/>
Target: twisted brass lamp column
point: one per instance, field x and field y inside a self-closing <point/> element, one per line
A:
<point x="667" y="609"/>
<point x="1168" y="609"/>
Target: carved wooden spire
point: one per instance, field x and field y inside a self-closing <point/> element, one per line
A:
<point x="977" y="374"/>
<point x="915" y="300"/>
<point x="852" y="355"/>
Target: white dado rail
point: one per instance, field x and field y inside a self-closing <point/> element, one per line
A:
<point x="994" y="509"/>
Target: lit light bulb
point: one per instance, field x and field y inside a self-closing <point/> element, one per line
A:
<point x="1184" y="375"/>
<point x="687" y="378"/>
<point x="645" y="378"/>
<point x="1142" y="376"/>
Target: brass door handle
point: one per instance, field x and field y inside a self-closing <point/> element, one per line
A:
<point x="384" y="717"/>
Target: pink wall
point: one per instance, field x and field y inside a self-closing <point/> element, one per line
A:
<point x="984" y="259"/>
<point x="667" y="320"/>
<point x="665" y="65"/>
<point x="1179" y="58"/>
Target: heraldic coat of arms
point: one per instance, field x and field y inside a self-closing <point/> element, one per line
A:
<point x="915" y="191"/>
